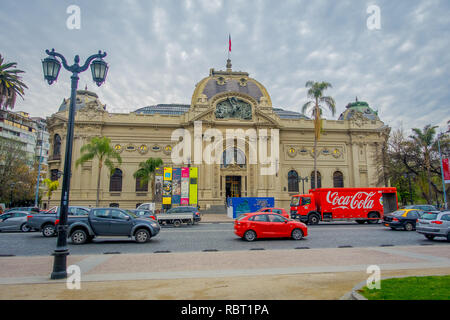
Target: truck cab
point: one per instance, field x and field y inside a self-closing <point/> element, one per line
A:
<point x="302" y="205"/>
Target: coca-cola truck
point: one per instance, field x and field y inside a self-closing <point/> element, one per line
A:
<point x="359" y="204"/>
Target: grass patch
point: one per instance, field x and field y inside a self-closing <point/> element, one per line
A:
<point x="411" y="288"/>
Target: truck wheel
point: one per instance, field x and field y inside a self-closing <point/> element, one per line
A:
<point x="297" y="234"/>
<point x="313" y="219"/>
<point x="372" y="215"/>
<point x="250" y="235"/>
<point x="25" y="228"/>
<point x="49" y="230"/>
<point x="142" y="236"/>
<point x="79" y="237"/>
<point x="177" y="223"/>
<point x="409" y="227"/>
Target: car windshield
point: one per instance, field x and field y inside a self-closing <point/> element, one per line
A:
<point x="295" y="201"/>
<point x="131" y="213"/>
<point x="398" y="213"/>
<point x="429" y="216"/>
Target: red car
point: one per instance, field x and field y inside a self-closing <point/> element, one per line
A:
<point x="268" y="225"/>
<point x="279" y="211"/>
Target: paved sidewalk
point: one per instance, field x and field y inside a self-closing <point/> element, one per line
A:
<point x="215" y="218"/>
<point x="271" y="274"/>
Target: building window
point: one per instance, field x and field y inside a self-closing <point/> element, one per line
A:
<point x="293" y="181"/>
<point x="233" y="156"/>
<point x="114" y="205"/>
<point x="56" y="145"/>
<point x="338" y="179"/>
<point x="139" y="188"/>
<point x="115" y="183"/>
<point x="54" y="174"/>
<point x="313" y="181"/>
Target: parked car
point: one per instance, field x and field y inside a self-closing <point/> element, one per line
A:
<point x="14" y="221"/>
<point x="403" y="219"/>
<point x="46" y="222"/>
<point x="111" y="222"/>
<point x="279" y="211"/>
<point x="185" y="210"/>
<point x="433" y="225"/>
<point x="423" y="207"/>
<point x="143" y="213"/>
<point x="268" y="225"/>
<point x="24" y="209"/>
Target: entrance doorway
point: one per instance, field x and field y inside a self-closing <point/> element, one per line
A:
<point x="233" y="186"/>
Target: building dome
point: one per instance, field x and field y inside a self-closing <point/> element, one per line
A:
<point x="229" y="81"/>
<point x="359" y="107"/>
<point x="83" y="98"/>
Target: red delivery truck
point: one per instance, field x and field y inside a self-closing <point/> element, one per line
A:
<point x="359" y="204"/>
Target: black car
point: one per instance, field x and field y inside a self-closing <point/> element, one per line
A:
<point x="403" y="219"/>
<point x="181" y="210"/>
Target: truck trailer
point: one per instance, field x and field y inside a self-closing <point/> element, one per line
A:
<point x="358" y="204"/>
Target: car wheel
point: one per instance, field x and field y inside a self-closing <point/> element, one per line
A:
<point x="177" y="223"/>
<point x="409" y="227"/>
<point x="250" y="235"/>
<point x="430" y="236"/>
<point x="25" y="228"/>
<point x="79" y="237"/>
<point x="49" y="230"/>
<point x="297" y="234"/>
<point x="313" y="219"/>
<point x="372" y="215"/>
<point x="142" y="236"/>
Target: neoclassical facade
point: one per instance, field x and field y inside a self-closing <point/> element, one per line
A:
<point x="348" y="148"/>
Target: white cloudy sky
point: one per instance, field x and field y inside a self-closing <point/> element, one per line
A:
<point x="159" y="50"/>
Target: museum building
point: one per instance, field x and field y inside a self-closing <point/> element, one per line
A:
<point x="349" y="148"/>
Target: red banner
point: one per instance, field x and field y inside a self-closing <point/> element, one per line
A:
<point x="446" y="167"/>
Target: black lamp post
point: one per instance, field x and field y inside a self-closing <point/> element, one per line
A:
<point x="51" y="67"/>
<point x="305" y="179"/>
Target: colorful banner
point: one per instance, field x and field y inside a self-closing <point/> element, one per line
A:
<point x="176" y="186"/>
<point x="184" y="187"/>
<point x="446" y="169"/>
<point x="193" y="177"/>
<point x="158" y="184"/>
<point x="167" y="186"/>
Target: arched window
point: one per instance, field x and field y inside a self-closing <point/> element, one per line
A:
<point x="56" y="145"/>
<point x="338" y="179"/>
<point x="139" y="188"/>
<point x="293" y="181"/>
<point x="233" y="155"/>
<point x="115" y="183"/>
<point x="313" y="181"/>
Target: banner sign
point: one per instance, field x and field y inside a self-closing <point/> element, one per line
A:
<point x="446" y="168"/>
<point x="158" y="184"/>
<point x="167" y="187"/>
<point x="193" y="186"/>
<point x="176" y="186"/>
<point x="184" y="187"/>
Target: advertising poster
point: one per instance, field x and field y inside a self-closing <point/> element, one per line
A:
<point x="158" y="184"/>
<point x="446" y="169"/>
<point x="176" y="186"/>
<point x="167" y="186"/>
<point x="193" y="178"/>
<point x="184" y="187"/>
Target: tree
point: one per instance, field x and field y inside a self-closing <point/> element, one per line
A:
<point x="315" y="105"/>
<point x="100" y="149"/>
<point x="146" y="171"/>
<point x="10" y="84"/>
<point x="51" y="186"/>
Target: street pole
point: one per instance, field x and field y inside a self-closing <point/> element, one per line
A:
<point x="51" y="68"/>
<point x="442" y="174"/>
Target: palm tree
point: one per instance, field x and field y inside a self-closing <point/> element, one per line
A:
<point x="425" y="139"/>
<point x="51" y="186"/>
<point x="315" y="106"/>
<point x="100" y="148"/>
<point x="10" y="84"/>
<point x="146" y="171"/>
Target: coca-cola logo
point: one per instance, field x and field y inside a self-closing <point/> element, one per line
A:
<point x="360" y="200"/>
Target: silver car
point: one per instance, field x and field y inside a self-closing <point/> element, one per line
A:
<point x="14" y="221"/>
<point x="434" y="225"/>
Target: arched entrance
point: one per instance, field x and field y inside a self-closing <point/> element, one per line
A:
<point x="233" y="167"/>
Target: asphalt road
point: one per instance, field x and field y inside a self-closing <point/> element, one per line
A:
<point x="219" y="236"/>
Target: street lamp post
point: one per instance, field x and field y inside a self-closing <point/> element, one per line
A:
<point x="51" y="67"/>
<point x="305" y="179"/>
